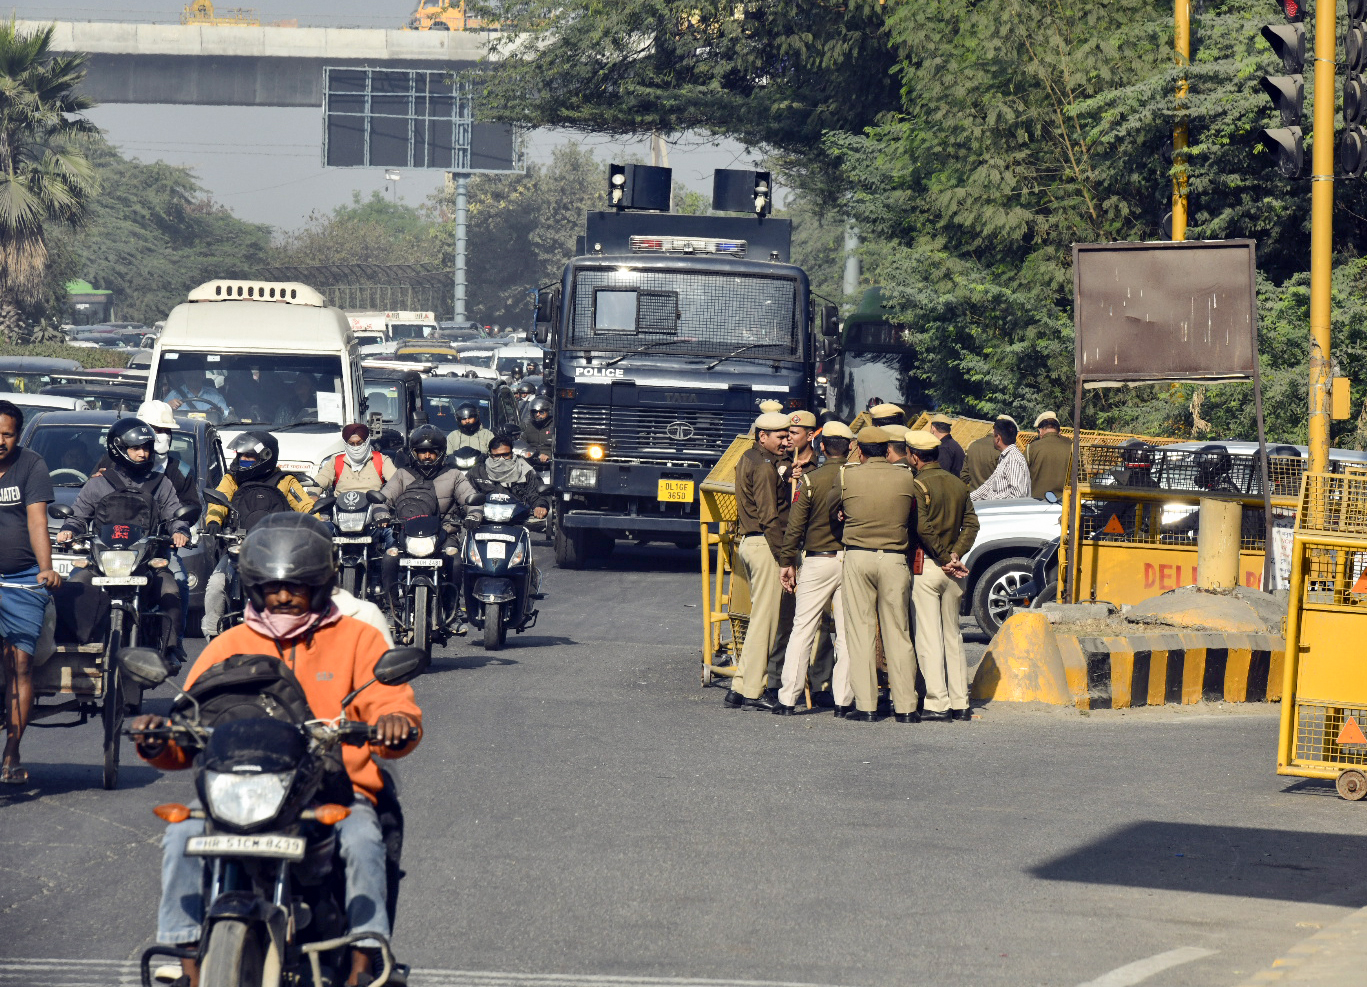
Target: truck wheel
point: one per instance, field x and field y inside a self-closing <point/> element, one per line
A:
<point x="991" y="605"/>
<point x="569" y="548"/>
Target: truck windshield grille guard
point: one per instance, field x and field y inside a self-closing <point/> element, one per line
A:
<point x="685" y="312"/>
<point x="655" y="433"/>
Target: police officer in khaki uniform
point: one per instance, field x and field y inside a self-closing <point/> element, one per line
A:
<point x="801" y="428"/>
<point x="879" y="502"/>
<point x="1048" y="457"/>
<point x="946" y="526"/>
<point x="762" y="503"/>
<point x="812" y="534"/>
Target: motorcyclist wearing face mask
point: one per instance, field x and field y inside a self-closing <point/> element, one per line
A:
<point x="469" y="433"/>
<point x="538" y="432"/>
<point x="360" y="466"/>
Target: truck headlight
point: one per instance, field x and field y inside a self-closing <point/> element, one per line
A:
<point x="245" y="800"/>
<point x="596" y="452"/>
<point x="583" y="477"/>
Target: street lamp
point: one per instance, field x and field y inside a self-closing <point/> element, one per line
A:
<point x="392" y="176"/>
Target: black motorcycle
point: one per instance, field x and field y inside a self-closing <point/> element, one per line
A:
<point x="498" y="574"/>
<point x="427" y="603"/>
<point x="275" y="895"/>
<point x="122" y="559"/>
<point x="356" y="537"/>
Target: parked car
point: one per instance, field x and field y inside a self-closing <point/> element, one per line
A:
<point x="72" y="443"/>
<point x="443" y="395"/>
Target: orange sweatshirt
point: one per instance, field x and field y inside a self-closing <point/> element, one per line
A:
<point x="340" y="658"/>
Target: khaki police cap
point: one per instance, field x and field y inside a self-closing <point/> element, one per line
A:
<point x="885" y="411"/>
<point x="871" y="434"/>
<point x="771" y="421"/>
<point x="805" y="419"/>
<point x="1007" y="418"/>
<point x="921" y="441"/>
<point x="895" y="433"/>
<point x="1045" y="416"/>
<point x="837" y="430"/>
<point x="941" y="420"/>
<point x="770" y="407"/>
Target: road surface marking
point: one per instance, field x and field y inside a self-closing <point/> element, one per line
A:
<point x="1141" y="970"/>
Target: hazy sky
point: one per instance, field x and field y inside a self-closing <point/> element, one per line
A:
<point x="265" y="163"/>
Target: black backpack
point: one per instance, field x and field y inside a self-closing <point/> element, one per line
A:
<point x="255" y="500"/>
<point x="128" y="504"/>
<point x="417" y="500"/>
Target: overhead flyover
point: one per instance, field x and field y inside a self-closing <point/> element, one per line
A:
<point x="244" y="66"/>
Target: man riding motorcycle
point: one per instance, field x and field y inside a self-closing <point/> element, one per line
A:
<point x="288" y="570"/>
<point x="502" y="471"/>
<point x="360" y="466"/>
<point x="132" y="471"/>
<point x="538" y="432"/>
<point x="256" y="487"/>
<point x="427" y="469"/>
<point x="469" y="432"/>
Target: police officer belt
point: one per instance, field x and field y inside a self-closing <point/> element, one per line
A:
<point x="821" y="555"/>
<point x="880" y="551"/>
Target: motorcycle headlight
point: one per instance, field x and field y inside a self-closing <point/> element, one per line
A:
<point x="243" y="799"/>
<point x="351" y="521"/>
<point x="420" y="547"/>
<point x="471" y="551"/>
<point x="499" y="513"/>
<point x="119" y="562"/>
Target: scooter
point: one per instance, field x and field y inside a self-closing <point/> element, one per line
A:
<point x="355" y="536"/>
<point x="275" y="896"/>
<point x="498" y="573"/>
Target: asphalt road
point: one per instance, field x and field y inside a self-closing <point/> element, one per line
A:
<point x="581" y="807"/>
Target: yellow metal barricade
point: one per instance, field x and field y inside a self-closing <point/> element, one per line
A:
<point x="1324" y="692"/>
<point x="725" y="592"/>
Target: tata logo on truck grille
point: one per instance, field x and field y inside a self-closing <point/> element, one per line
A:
<point x="679" y="431"/>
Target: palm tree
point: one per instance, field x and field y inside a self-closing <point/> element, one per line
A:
<point x="44" y="177"/>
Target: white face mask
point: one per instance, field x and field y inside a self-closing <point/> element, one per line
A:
<point x="358" y="454"/>
<point x="161" y="444"/>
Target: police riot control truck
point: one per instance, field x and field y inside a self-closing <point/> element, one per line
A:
<point x="666" y="332"/>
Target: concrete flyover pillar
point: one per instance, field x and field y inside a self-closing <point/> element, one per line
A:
<point x="1217" y="544"/>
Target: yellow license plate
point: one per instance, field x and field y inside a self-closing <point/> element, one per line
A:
<point x="677" y="491"/>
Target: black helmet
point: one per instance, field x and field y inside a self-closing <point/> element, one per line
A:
<point x="539" y="406"/>
<point x="1212" y="465"/>
<point x="427" y="438"/>
<point x="288" y="548"/>
<point x="131" y="433"/>
<point x="524" y="388"/>
<point x="264" y="451"/>
<point x="467" y="410"/>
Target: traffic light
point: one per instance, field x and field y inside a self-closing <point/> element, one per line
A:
<point x="1353" y="148"/>
<point x="1287" y="91"/>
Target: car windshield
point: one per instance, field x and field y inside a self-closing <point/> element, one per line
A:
<point x="253" y="389"/>
<point x="72" y="451"/>
<point x="407" y="330"/>
<point x="384" y="397"/>
<point x="441" y="410"/>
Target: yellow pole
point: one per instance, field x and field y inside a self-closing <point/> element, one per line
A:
<point x="1182" y="44"/>
<point x="1322" y="230"/>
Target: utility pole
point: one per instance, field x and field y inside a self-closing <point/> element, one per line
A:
<point x="850" y="287"/>
<point x="1182" y="44"/>
<point x="461" y="182"/>
<point x="1322" y="230"/>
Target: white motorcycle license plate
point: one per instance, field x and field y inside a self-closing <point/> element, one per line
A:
<point x="424" y="563"/>
<point x="63" y="565"/>
<point x="349" y="540"/>
<point x="283" y="847"/>
<point x="495" y="550"/>
<point x="119" y="580"/>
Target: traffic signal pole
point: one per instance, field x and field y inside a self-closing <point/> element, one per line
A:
<point x="1182" y="44"/>
<point x="1322" y="230"/>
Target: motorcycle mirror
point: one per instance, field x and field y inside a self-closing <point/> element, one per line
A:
<point x="189" y="513"/>
<point x="144" y="666"/>
<point x="60" y="511"/>
<point x="374" y="496"/>
<point x="1050" y="497"/>
<point x="400" y="665"/>
<point x="322" y="504"/>
<point x="217" y="498"/>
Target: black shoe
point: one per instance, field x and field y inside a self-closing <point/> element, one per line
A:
<point x="734" y="699"/>
<point x="863" y="716"/>
<point x="929" y="716"/>
<point x="961" y="714"/>
<point x="843" y="711"/>
<point x="822" y="699"/>
<point x="782" y="710"/>
<point x="767" y="700"/>
<point x="907" y="717"/>
<point x="885" y="705"/>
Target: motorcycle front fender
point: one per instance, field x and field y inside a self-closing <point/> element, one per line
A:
<point x="244" y="906"/>
<point x="493" y="589"/>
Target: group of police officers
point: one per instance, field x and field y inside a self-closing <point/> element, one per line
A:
<point x="872" y="529"/>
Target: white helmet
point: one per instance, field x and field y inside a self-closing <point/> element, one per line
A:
<point x="157" y="414"/>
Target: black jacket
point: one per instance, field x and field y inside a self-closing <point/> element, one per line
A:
<point x="527" y="490"/>
<point x="187" y="489"/>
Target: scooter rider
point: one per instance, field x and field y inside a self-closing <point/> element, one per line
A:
<point x="469" y="431"/>
<point x="428" y="468"/>
<point x="130" y="444"/>
<point x="538" y="432"/>
<point x="504" y="472"/>
<point x="288" y="570"/>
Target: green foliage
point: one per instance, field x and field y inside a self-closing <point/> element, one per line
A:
<point x="86" y="356"/>
<point x="369" y="231"/>
<point x="153" y="235"/>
